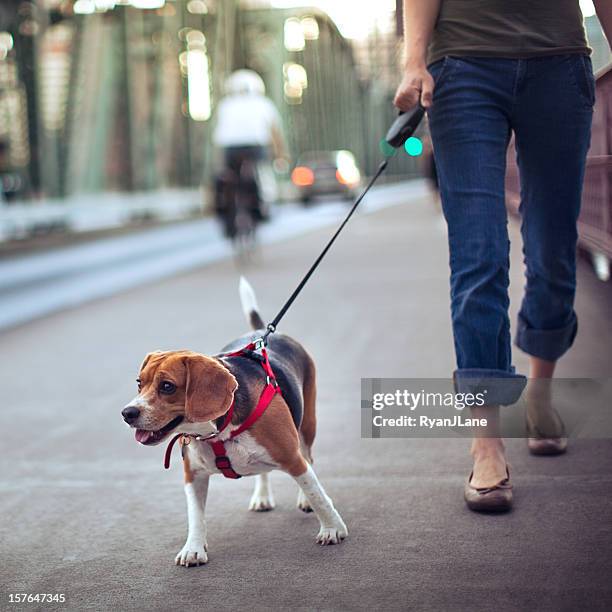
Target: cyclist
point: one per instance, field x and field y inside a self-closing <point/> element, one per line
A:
<point x="248" y="126"/>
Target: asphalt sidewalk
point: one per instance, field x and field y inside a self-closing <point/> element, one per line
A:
<point x="89" y="513"/>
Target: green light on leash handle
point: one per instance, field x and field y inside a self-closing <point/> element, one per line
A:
<point x="404" y="126"/>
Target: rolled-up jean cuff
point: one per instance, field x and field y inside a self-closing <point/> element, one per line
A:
<point x="548" y="344"/>
<point x="498" y="387"/>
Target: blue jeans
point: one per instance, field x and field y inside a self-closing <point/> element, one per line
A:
<point x="478" y="102"/>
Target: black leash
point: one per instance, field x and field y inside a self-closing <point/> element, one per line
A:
<point x="271" y="328"/>
<point x="403" y="127"/>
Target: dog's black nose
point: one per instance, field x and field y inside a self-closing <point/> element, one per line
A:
<point x="130" y="414"/>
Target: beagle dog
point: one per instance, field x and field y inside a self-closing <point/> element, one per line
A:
<point x="182" y="392"/>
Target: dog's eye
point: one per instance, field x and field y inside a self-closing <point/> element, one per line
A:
<point x="167" y="387"/>
<point x="139" y="384"/>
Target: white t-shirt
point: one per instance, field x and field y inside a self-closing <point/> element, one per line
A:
<point x="245" y="120"/>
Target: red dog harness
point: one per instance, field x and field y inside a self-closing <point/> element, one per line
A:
<point x="222" y="461"/>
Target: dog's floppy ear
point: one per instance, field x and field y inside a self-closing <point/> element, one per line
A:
<point x="148" y="358"/>
<point x="209" y="388"/>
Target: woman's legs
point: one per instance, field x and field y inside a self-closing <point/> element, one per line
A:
<point x="553" y="124"/>
<point x="488" y="451"/>
<point x="540" y="368"/>
<point x="470" y="128"/>
<point x="538" y="396"/>
<point x="548" y="102"/>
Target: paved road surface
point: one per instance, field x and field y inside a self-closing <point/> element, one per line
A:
<point x="38" y="284"/>
<point x="89" y="513"/>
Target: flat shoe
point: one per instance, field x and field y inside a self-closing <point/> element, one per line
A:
<point x="547" y="446"/>
<point x="497" y="498"/>
<point x="539" y="444"/>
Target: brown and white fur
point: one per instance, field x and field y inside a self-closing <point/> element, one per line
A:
<point x="186" y="392"/>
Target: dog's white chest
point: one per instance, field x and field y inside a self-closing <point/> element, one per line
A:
<point x="245" y="454"/>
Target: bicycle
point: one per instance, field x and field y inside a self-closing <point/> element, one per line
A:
<point x="239" y="208"/>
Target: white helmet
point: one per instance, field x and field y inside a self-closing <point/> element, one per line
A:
<point x="245" y="82"/>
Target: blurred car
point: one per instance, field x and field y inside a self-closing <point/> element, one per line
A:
<point x="326" y="172"/>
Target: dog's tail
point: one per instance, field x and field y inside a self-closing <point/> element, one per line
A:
<point x="249" y="304"/>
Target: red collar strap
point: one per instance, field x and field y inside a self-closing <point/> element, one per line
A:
<point x="222" y="461"/>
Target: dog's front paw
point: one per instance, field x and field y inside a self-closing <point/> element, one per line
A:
<point x="261" y="502"/>
<point x="193" y="553"/>
<point x="332" y="535"/>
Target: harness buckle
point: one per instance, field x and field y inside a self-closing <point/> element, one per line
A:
<point x="202" y="438"/>
<point x="271" y="381"/>
<point x="258" y="344"/>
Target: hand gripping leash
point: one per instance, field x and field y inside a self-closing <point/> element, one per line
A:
<point x="403" y="127"/>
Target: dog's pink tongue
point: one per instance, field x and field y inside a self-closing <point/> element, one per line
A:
<point x="143" y="436"/>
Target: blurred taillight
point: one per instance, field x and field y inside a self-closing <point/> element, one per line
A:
<point x="302" y="176"/>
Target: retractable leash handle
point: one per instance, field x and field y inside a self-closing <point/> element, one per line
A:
<point x="405" y="126"/>
<point x="401" y="129"/>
